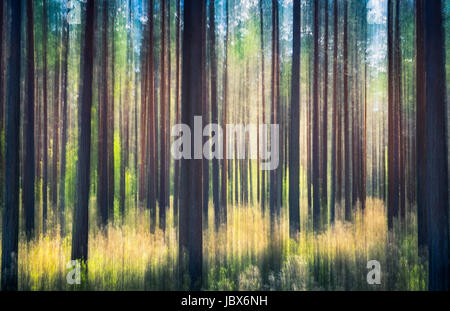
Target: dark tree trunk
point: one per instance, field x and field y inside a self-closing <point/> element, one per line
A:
<point x="45" y="121"/>
<point x="223" y="198"/>
<point x="110" y="123"/>
<point x="163" y="132"/>
<point x="10" y="223"/>
<point x="324" y="142"/>
<point x="191" y="192"/>
<point x="436" y="145"/>
<point x="263" y="100"/>
<point x="56" y="104"/>
<point x="206" y="120"/>
<point x="2" y="107"/>
<point x="315" y="115"/>
<point x="347" y="183"/>
<point x="62" y="185"/>
<point x="275" y="173"/>
<point x="393" y="198"/>
<point x="102" y="182"/>
<point x="28" y="164"/>
<point x="335" y="114"/>
<point x="151" y="127"/>
<point x="81" y="213"/>
<point x="214" y="111"/>
<point x="420" y="126"/>
<point x="294" y="139"/>
<point x="176" y="182"/>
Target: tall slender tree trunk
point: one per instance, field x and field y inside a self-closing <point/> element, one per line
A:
<point x="263" y="99"/>
<point x="315" y="115"/>
<point x="163" y="132"/>
<point x="62" y="184"/>
<point x="151" y="125"/>
<point x="214" y="111"/>
<point x="294" y="139"/>
<point x="102" y="182"/>
<point x="2" y="107"/>
<point x="392" y="122"/>
<point x="177" y="106"/>
<point x="45" y="123"/>
<point x="347" y="183"/>
<point x="56" y="123"/>
<point x="81" y="212"/>
<point x="335" y="114"/>
<point x="324" y="186"/>
<point x="190" y="234"/>
<point x="110" y="121"/>
<point x="420" y="126"/>
<point x="28" y="158"/>
<point x="274" y="174"/>
<point x="223" y="198"/>
<point x="10" y="223"/>
<point x="206" y="120"/>
<point x="437" y="201"/>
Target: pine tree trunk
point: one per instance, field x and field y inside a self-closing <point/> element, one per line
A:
<point x="81" y="213"/>
<point x="294" y="139"/>
<point x="191" y="192"/>
<point x="28" y="158"/>
<point x="10" y="223"/>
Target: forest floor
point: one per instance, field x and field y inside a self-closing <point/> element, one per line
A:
<point x="245" y="255"/>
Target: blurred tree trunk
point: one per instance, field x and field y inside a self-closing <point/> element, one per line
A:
<point x="294" y="138"/>
<point x="315" y="121"/>
<point x="176" y="182"/>
<point x="206" y="120"/>
<point x="28" y="157"/>
<point x="163" y="123"/>
<point x="10" y="223"/>
<point x="336" y="112"/>
<point x="223" y="198"/>
<point x="436" y="201"/>
<point x="110" y="121"/>
<point x="420" y="126"/>
<point x="263" y="100"/>
<point x="45" y="121"/>
<point x="324" y="143"/>
<point x="81" y="212"/>
<point x="191" y="192"/>
<point x="214" y="111"/>
<point x="152" y="168"/>
<point x="64" y="79"/>
<point x="102" y="182"/>
<point x="347" y="183"/>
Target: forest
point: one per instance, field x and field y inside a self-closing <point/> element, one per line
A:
<point x="102" y="188"/>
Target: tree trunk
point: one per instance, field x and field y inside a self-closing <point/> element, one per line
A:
<point x="45" y="123"/>
<point x="62" y="184"/>
<point x="191" y="192"/>
<point x="223" y="198"/>
<point x="324" y="175"/>
<point x="102" y="182"/>
<point x="436" y="201"/>
<point x="214" y="111"/>
<point x="177" y="109"/>
<point x="335" y="114"/>
<point x="10" y="223"/>
<point x="81" y="213"/>
<point x="294" y="139"/>
<point x="315" y="121"/>
<point x="347" y="183"/>
<point x="420" y="127"/>
<point x="28" y="159"/>
<point x="163" y="132"/>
